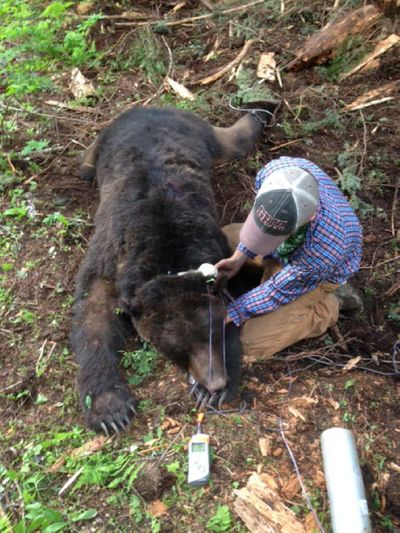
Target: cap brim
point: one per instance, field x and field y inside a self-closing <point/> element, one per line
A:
<point x="257" y="241"/>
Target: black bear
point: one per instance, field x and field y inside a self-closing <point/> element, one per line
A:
<point x="156" y="220"/>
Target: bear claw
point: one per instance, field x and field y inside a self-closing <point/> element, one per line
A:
<point x="111" y="410"/>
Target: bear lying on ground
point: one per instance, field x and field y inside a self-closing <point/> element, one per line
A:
<point x="156" y="219"/>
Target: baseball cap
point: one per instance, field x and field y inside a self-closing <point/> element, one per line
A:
<point x="287" y="199"/>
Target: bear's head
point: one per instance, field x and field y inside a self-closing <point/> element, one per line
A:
<point x="182" y="317"/>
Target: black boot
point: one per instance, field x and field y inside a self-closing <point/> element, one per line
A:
<point x="350" y="302"/>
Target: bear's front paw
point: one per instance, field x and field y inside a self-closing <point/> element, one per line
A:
<point x="204" y="398"/>
<point x="109" y="411"/>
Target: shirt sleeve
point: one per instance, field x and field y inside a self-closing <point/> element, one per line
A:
<point x="284" y="287"/>
<point x="242" y="248"/>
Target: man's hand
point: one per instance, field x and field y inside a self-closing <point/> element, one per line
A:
<point x="232" y="265"/>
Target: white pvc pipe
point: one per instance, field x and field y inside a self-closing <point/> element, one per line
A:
<point x="347" y="502"/>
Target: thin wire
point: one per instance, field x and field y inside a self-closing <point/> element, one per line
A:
<point x="253" y="112"/>
<point x="342" y="365"/>
<point x="210" y="321"/>
<point x="294" y="462"/>
<point x="396" y="350"/>
<point x="223" y="337"/>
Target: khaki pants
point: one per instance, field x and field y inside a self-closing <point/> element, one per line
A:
<point x="310" y="315"/>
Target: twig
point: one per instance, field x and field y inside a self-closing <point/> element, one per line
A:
<point x="10" y="164"/>
<point x="12" y="386"/>
<point x="62" y="105"/>
<point x="70" y="481"/>
<point x="41" y="354"/>
<point x="279" y="146"/>
<point x="394" y="207"/>
<point x="228" y="67"/>
<point x="207" y="5"/>
<point x="193" y="19"/>
<point x="381" y="263"/>
<point x="361" y="167"/>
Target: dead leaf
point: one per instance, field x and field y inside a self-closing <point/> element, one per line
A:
<point x="80" y="86"/>
<point x="174" y="431"/>
<point x="266" y="68"/>
<point x="291" y="488"/>
<point x="310" y="525"/>
<point x="180" y="89"/>
<point x="295" y="412"/>
<point x="157" y="508"/>
<point x="88" y="448"/>
<point x="351" y="364"/>
<point x="83" y="8"/>
<point x="277" y="452"/>
<point x="265" y="446"/>
<point x="334" y="403"/>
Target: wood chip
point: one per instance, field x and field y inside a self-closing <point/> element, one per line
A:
<point x="80" y="86"/>
<point x="266" y="68"/>
<point x="180" y="89"/>
<point x="295" y="412"/>
<point x="394" y="467"/>
<point x="262" y="509"/>
<point x="351" y="364"/>
<point x="265" y="446"/>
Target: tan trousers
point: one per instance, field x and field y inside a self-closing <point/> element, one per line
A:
<point x="308" y="316"/>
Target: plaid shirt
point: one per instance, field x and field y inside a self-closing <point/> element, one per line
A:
<point x="330" y="252"/>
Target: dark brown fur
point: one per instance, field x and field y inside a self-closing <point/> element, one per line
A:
<point x="156" y="217"/>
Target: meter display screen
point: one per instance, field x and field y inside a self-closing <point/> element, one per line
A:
<point x="198" y="447"/>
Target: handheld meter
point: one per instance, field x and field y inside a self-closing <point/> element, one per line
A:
<point x="199" y="457"/>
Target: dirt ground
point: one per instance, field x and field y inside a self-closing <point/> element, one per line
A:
<point x="330" y="381"/>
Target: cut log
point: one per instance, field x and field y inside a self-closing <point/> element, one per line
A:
<point x="379" y="49"/>
<point x="376" y="96"/>
<point x="262" y="510"/>
<point x="323" y="45"/>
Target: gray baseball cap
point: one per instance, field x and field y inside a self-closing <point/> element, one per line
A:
<point x="287" y="199"/>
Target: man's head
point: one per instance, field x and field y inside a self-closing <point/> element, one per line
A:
<point x="287" y="199"/>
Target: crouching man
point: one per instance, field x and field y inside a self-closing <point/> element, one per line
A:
<point x="307" y="239"/>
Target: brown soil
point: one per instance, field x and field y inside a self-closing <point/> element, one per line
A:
<point x="319" y="389"/>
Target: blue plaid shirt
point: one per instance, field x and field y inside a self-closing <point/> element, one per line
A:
<point x="330" y="252"/>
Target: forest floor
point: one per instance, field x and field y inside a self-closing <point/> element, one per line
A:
<point x="136" y="481"/>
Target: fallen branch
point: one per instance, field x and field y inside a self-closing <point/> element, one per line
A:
<point x="78" y="108"/>
<point x="373" y="97"/>
<point x="228" y="67"/>
<point x="381" y="47"/>
<point x="192" y="19"/>
<point x="322" y="46"/>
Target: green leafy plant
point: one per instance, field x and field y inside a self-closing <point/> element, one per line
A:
<point x="142" y="362"/>
<point x="221" y="520"/>
<point x="35" y="41"/>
